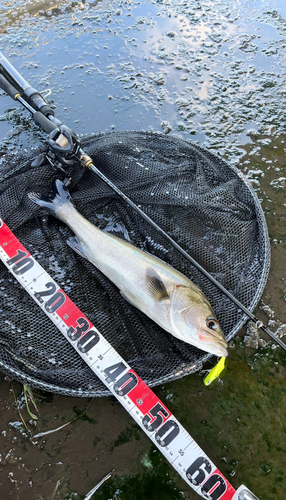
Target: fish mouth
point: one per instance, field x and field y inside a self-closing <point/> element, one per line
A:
<point x="213" y="342"/>
<point x="219" y="350"/>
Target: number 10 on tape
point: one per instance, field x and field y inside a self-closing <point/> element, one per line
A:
<point x="164" y="430"/>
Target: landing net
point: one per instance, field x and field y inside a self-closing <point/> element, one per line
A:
<point x="201" y="201"/>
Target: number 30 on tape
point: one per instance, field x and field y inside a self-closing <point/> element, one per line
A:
<point x="164" y="430"/>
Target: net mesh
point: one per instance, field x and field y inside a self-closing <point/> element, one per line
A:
<point x="200" y="200"/>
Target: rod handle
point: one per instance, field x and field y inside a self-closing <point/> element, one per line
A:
<point x="44" y="122"/>
<point x="8" y="88"/>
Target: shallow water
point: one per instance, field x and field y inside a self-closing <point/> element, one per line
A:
<point x="211" y="74"/>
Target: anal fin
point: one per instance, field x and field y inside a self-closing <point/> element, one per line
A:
<point x="75" y="244"/>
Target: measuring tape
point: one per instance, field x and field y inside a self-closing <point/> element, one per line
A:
<point x="164" y="430"/>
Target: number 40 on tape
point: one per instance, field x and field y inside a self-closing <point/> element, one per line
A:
<point x="164" y="430"/>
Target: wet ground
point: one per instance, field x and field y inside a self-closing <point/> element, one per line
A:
<point x="211" y="73"/>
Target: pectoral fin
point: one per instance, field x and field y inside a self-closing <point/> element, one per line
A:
<point x="155" y="285"/>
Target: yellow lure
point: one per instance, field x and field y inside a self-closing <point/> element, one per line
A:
<point x="215" y="371"/>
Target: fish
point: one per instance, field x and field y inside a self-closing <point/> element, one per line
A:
<point x="154" y="287"/>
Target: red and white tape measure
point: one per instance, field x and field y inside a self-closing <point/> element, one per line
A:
<point x="164" y="430"/>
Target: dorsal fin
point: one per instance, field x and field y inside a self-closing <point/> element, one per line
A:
<point x="155" y="285"/>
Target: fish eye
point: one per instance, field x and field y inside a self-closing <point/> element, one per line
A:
<point x="212" y="323"/>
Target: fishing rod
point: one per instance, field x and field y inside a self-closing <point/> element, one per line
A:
<point x="64" y="150"/>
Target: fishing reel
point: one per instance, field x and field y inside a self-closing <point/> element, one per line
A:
<point x="64" y="145"/>
<point x="63" y="151"/>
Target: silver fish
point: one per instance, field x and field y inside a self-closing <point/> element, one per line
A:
<point x="161" y="292"/>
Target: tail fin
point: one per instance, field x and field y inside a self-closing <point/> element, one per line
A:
<point x="58" y="197"/>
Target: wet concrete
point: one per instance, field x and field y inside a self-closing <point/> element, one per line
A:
<point x="209" y="73"/>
